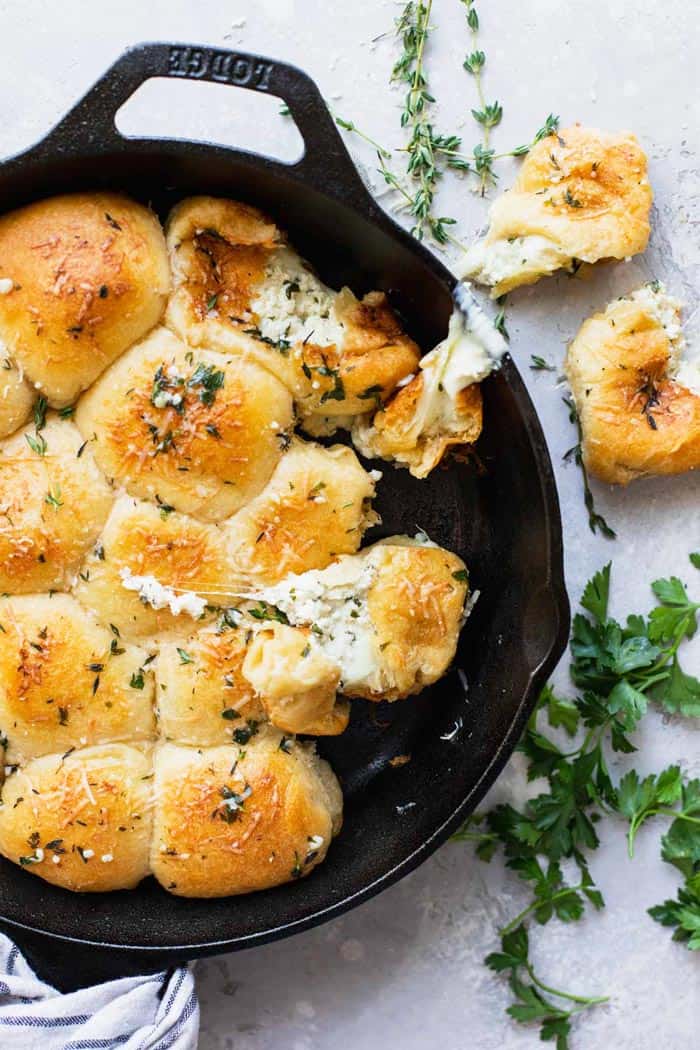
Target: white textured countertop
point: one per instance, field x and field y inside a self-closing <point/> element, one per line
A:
<point x="405" y="970"/>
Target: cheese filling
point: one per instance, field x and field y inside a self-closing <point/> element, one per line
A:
<point x="294" y="306"/>
<point x="666" y="311"/>
<point x="472" y="349"/>
<point x="333" y="602"/>
<point x="494" y="262"/>
<point x="159" y="596"/>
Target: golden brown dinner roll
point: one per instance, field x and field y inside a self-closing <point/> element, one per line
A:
<point x="16" y="396"/>
<point x="295" y="681"/>
<point x="388" y="617"/>
<point x="202" y="695"/>
<point x="53" y="503"/>
<point x="239" y="288"/>
<point x="582" y="195"/>
<point x="82" y="276"/>
<point x="67" y="682"/>
<point x="233" y="820"/>
<point x="316" y="506"/>
<point x="415" y="604"/>
<point x="148" y="568"/>
<point x="199" y="432"/>
<point x="81" y="820"/>
<point x="638" y="402"/>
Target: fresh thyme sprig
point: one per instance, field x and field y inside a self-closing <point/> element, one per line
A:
<point x="413" y="27"/>
<point x="489" y="114"/>
<point x="616" y="668"/>
<point x="596" y="522"/>
<point x="429" y="152"/>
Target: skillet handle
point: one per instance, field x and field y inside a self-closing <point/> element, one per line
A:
<point x="326" y="163"/>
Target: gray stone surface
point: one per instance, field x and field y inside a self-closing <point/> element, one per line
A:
<point x="405" y="969"/>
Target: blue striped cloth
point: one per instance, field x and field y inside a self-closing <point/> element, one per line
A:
<point x="155" y="1012"/>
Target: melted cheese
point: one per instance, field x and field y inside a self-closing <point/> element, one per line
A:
<point x="499" y="262"/>
<point x="294" y="305"/>
<point x="334" y="602"/>
<point x="158" y="596"/>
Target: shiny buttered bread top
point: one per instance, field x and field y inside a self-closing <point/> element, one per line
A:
<point x="184" y="584"/>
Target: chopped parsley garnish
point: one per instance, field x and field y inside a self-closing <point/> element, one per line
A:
<point x="242" y="736"/>
<point x="185" y="657"/>
<point x="571" y="200"/>
<point x="40" y="406"/>
<point x="268" y="612"/>
<point x="231" y="806"/>
<point x="208" y="380"/>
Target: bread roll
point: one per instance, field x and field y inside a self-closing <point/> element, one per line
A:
<point x="230" y="821"/>
<point x="415" y="604"/>
<point x="202" y="695"/>
<point x="53" y="504"/>
<point x="239" y="288"/>
<point x="582" y="195"/>
<point x="81" y="820"/>
<point x="295" y="681"/>
<point x="180" y="562"/>
<point x="315" y="507"/>
<point x="637" y="400"/>
<point x="86" y="274"/>
<point x="199" y="432"/>
<point x="388" y="617"/>
<point x="67" y="682"/>
<point x="441" y="406"/>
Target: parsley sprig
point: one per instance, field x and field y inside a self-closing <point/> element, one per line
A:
<point x="618" y="668"/>
<point x="534" y="999"/>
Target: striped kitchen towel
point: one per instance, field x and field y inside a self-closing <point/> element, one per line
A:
<point x="155" y="1012"/>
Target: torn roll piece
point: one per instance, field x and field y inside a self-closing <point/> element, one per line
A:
<point x="441" y="406"/>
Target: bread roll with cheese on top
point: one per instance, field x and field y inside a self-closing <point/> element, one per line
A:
<point x="142" y="544"/>
<point x="199" y="432"/>
<point x="239" y="288"/>
<point x="582" y="195"/>
<point x="637" y="400"/>
<point x="316" y="506"/>
<point x="226" y="825"/>
<point x="82" y="820"/>
<point x="66" y="681"/>
<point x="89" y="276"/>
<point x="203" y="697"/>
<point x="53" y="504"/>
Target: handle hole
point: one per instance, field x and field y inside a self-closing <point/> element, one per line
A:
<point x="206" y="112"/>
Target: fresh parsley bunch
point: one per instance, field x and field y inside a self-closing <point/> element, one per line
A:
<point x="617" y="669"/>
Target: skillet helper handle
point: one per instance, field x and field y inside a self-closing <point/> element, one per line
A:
<point x="326" y="163"/>
<point x="69" y="967"/>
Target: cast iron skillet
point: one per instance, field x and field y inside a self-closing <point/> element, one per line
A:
<point x="501" y="515"/>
